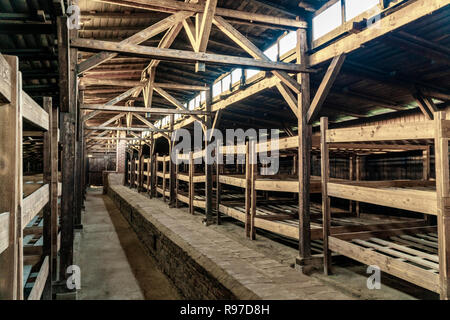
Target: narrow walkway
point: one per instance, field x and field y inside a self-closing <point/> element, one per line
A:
<point x="265" y="277"/>
<point x="113" y="263"/>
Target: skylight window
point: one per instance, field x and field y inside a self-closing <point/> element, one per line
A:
<point x="236" y="76"/>
<point x="327" y="20"/>
<point x="251" y="73"/>
<point x="192" y="104"/>
<point x="356" y="7"/>
<point x="272" y="52"/>
<point x="288" y="42"/>
<point x="217" y="89"/>
<point x="226" y="83"/>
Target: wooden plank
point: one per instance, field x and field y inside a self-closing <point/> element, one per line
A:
<point x="406" y="199"/>
<point x="206" y="25"/>
<point x="326" y="211"/>
<point x="184" y="56"/>
<point x="405" y="15"/>
<point x="4" y="231"/>
<point x="137" y="38"/>
<point x="304" y="154"/>
<point x="254" y="51"/>
<point x="402" y="270"/>
<point x="392" y="132"/>
<point x="173" y="6"/>
<point x="39" y="284"/>
<point x="443" y="201"/>
<point x="5" y="81"/>
<point x="11" y="263"/>
<point x="325" y="87"/>
<point x="34" y="203"/>
<point x="32" y="112"/>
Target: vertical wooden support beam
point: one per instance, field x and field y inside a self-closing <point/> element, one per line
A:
<point x="11" y="175"/>
<point x="68" y="91"/>
<point x="247" y="190"/>
<point x="156" y="174"/>
<point x="149" y="172"/>
<point x="141" y="168"/>
<point x="359" y="160"/>
<point x="191" y="183"/>
<point x="154" y="180"/>
<point x="209" y="165"/>
<point x="172" y="170"/>
<point x="351" y="176"/>
<point x="177" y="181"/>
<point x="78" y="190"/>
<point x="443" y="204"/>
<point x="426" y="176"/>
<point x="326" y="214"/>
<point x="426" y="163"/>
<point x="54" y="190"/>
<point x="253" y="172"/>
<point x="219" y="168"/>
<point x="164" y="182"/>
<point x="48" y="178"/>
<point x="304" y="155"/>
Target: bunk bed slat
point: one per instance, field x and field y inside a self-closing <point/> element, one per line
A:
<point x="33" y="112"/>
<point x="4" y="231"/>
<point x="34" y="203"/>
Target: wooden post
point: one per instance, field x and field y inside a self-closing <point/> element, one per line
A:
<point x="11" y="176"/>
<point x="68" y="105"/>
<point x="326" y="214"/>
<point x="358" y="178"/>
<point x="208" y="165"/>
<point x="253" y="167"/>
<point x="218" y="185"/>
<point x="248" y="190"/>
<point x="172" y="167"/>
<point x="304" y="154"/>
<point x="177" y="182"/>
<point x="164" y="179"/>
<point x="426" y="163"/>
<point x="49" y="178"/>
<point x="148" y="174"/>
<point x="426" y="176"/>
<point x="141" y="168"/>
<point x="191" y="183"/>
<point x="443" y="204"/>
<point x="351" y="174"/>
<point x="156" y="174"/>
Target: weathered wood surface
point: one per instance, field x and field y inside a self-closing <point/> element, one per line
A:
<point x="33" y="112"/>
<point x="34" y="203"/>
<point x="39" y="284"/>
<point x="4" y="231"/>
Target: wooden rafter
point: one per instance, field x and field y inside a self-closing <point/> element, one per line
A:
<point x="170" y="6"/>
<point x="254" y="51"/>
<point x="192" y="57"/>
<point x="325" y="87"/>
<point x="134" y="39"/>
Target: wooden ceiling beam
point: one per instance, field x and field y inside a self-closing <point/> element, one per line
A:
<point x="325" y="87"/>
<point x="137" y="38"/>
<point x="174" y="6"/>
<point x="187" y="56"/>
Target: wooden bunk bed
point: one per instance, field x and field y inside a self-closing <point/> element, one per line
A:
<point x="37" y="201"/>
<point x="416" y="254"/>
<point x="279" y="214"/>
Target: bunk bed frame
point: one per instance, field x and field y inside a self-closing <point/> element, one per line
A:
<point x="18" y="257"/>
<point x="416" y="254"/>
